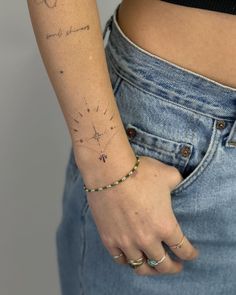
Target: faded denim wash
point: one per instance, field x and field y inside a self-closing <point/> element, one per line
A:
<point x="183" y="119"/>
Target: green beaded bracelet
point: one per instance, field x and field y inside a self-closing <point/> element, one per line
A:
<point x="115" y="182"/>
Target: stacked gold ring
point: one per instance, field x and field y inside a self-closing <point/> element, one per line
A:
<point x="118" y="256"/>
<point x="178" y="245"/>
<point x="134" y="263"/>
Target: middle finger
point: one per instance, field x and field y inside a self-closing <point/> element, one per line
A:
<point x="133" y="253"/>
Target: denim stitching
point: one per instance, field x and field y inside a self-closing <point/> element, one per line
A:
<point x="180" y="106"/>
<point x="147" y="53"/>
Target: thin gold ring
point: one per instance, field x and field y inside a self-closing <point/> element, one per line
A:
<point x="134" y="263"/>
<point x="118" y="256"/>
<point x="154" y="262"/>
<point x="178" y="245"/>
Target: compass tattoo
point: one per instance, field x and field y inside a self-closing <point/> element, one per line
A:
<point x="48" y="3"/>
<point x="100" y="137"/>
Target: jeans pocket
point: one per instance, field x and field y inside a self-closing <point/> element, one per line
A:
<point x="181" y="154"/>
<point x="207" y="155"/>
<point x="169" y="132"/>
<point x="171" y="152"/>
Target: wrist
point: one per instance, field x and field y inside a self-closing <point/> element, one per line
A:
<point x="96" y="173"/>
<point x="115" y="177"/>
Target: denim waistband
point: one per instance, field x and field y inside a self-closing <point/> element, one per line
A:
<point x="157" y="75"/>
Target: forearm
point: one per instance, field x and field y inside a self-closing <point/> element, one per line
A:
<point x="69" y="38"/>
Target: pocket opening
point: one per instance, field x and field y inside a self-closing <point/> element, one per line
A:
<point x="168" y="151"/>
<point x="203" y="164"/>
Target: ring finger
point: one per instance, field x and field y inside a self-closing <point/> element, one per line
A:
<point x="165" y="264"/>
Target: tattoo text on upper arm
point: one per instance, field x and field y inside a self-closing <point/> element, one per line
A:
<point x="48" y="3"/>
<point x="66" y="32"/>
<point x="100" y="136"/>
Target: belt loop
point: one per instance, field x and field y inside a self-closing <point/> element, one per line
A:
<point x="108" y="25"/>
<point x="110" y="20"/>
<point x="231" y="140"/>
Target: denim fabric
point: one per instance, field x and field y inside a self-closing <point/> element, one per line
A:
<point x="183" y="119"/>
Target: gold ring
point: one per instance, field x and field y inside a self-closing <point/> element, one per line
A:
<point x="118" y="256"/>
<point x="178" y="245"/>
<point x="134" y="263"/>
<point x="154" y="262"/>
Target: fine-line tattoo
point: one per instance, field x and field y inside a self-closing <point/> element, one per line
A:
<point x="66" y="32"/>
<point x="100" y="137"/>
<point x="48" y="3"/>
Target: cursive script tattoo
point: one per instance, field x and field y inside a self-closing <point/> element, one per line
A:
<point x="58" y="34"/>
<point x="65" y="33"/>
<point x="100" y="137"/>
<point x="48" y="3"/>
<point x="71" y="30"/>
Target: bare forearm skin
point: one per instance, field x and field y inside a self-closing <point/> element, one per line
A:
<point x="69" y="37"/>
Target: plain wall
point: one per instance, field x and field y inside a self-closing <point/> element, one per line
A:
<point x="33" y="155"/>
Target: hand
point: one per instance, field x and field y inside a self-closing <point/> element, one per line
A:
<point x="136" y="215"/>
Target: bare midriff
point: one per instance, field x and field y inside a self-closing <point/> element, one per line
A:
<point x="201" y="41"/>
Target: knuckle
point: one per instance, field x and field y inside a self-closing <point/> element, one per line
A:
<point x="177" y="176"/>
<point x="174" y="178"/>
<point x="124" y="242"/>
<point x="144" y="240"/>
<point x="108" y="241"/>
<point x="168" y="230"/>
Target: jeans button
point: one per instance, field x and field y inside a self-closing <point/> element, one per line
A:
<point x="220" y="124"/>
<point x="131" y="132"/>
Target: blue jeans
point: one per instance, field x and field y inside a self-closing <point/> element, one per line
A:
<point x="186" y="120"/>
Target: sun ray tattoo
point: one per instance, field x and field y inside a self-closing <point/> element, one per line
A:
<point x="48" y="3"/>
<point x="100" y="137"/>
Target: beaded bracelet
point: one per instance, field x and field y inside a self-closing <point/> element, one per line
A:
<point x="117" y="181"/>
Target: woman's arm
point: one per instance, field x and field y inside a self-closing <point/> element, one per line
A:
<point x="69" y="37"/>
<point x="133" y="217"/>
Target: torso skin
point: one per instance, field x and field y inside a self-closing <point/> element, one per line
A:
<point x="200" y="40"/>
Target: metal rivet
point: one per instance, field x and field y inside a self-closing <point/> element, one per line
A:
<point x="185" y="151"/>
<point x="131" y="132"/>
<point x="220" y="124"/>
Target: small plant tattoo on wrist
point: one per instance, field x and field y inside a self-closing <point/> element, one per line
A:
<point x="100" y="137"/>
